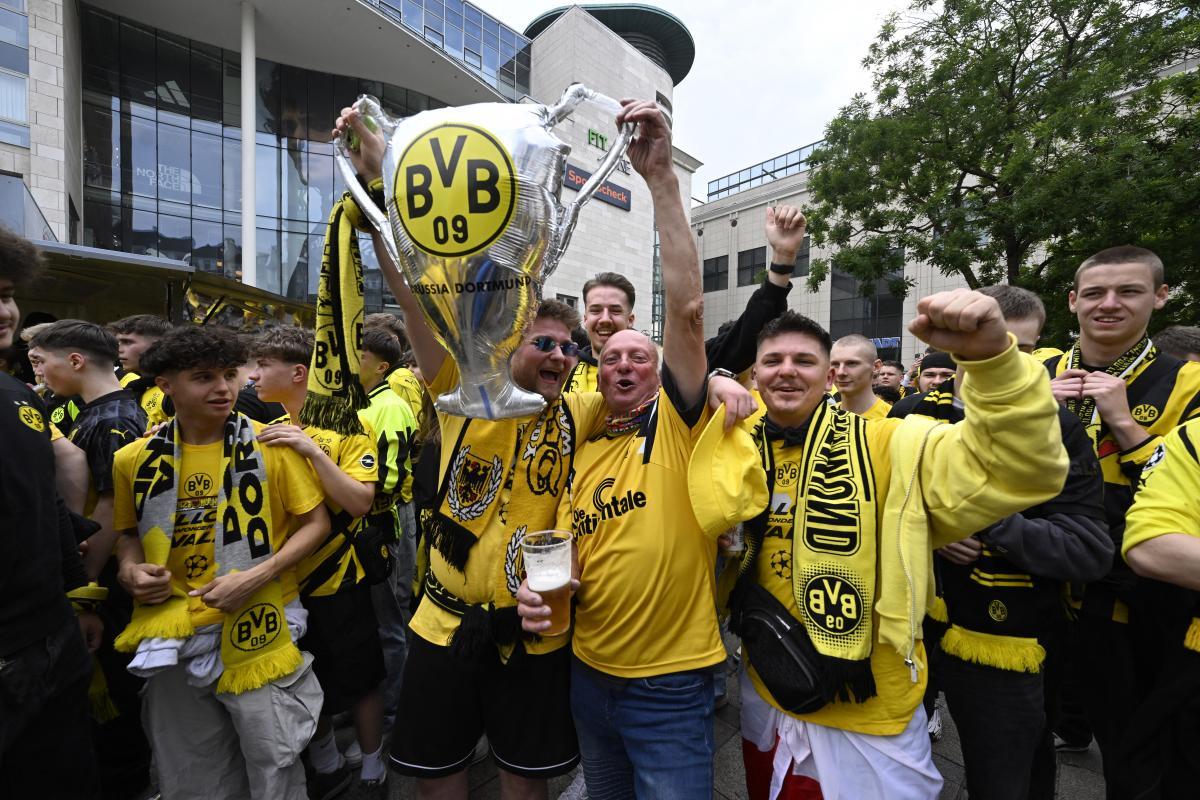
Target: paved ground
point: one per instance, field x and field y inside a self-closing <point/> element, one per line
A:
<point x="1079" y="776"/>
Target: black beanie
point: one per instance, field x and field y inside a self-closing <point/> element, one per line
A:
<point x="938" y="360"/>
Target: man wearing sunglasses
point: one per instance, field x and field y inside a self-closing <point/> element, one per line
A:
<point x="470" y="669"/>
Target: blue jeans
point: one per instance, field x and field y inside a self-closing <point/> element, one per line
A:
<point x="644" y="737"/>
<point x="393" y="608"/>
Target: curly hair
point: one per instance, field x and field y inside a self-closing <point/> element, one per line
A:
<point x="20" y="260"/>
<point x="193" y="347"/>
<point x="289" y="343"/>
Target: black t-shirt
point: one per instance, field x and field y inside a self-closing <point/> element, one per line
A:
<point x="103" y="427"/>
<point x="249" y="403"/>
<point x="32" y="603"/>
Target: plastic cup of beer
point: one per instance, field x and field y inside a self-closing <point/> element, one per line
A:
<point x="547" y="557"/>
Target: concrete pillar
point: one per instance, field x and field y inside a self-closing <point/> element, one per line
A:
<point x="249" y="124"/>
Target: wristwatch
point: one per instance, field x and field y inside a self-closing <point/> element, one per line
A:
<point x="722" y="372"/>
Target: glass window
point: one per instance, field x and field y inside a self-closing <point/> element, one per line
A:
<point x="137" y="63"/>
<point x="434" y="37"/>
<point x="472" y="58"/>
<point x="102" y="225"/>
<point x="266" y="96"/>
<point x="173" y="77"/>
<point x="395" y="100"/>
<point x="232" y="98"/>
<point x="266" y="180"/>
<point x="293" y="183"/>
<point x="14" y="29"/>
<point x="453" y="19"/>
<point x="14" y="58"/>
<point x="293" y="104"/>
<point x="316" y="246"/>
<point x="231" y="251"/>
<point x="15" y="5"/>
<point x="207" y="246"/>
<point x="12" y="96"/>
<point x="142" y="164"/>
<point x="803" y="258"/>
<point x="320" y="186"/>
<point x="174" y="237"/>
<point x="266" y="240"/>
<point x="434" y="8"/>
<point x="141" y="231"/>
<point x="491" y="29"/>
<point x="752" y="266"/>
<point x="321" y="110"/>
<point x="716" y="273"/>
<point x="206" y="92"/>
<point x="454" y="42"/>
<point x="206" y="170"/>
<point x="472" y="13"/>
<point x="296" y="261"/>
<point x="231" y="175"/>
<point x="413" y="15"/>
<point x="173" y="174"/>
<point x="99" y="37"/>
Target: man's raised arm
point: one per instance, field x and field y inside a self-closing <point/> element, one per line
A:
<point x="683" y="331"/>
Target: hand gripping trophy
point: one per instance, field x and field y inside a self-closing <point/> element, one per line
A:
<point x="475" y="223"/>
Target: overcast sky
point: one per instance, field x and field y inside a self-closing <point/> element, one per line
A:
<point x="768" y="75"/>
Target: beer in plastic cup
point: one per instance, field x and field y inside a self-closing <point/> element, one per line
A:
<point x="547" y="557"/>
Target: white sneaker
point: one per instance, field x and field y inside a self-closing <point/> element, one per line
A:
<point x="353" y="754"/>
<point x="935" y="725"/>
<point x="577" y="790"/>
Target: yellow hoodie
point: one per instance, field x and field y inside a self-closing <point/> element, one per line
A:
<point x="938" y="483"/>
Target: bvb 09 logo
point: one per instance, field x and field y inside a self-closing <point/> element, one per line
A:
<point x="833" y="604"/>
<point x="455" y="190"/>
<point x="255" y="628"/>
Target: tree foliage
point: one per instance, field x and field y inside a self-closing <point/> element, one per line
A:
<point x="1007" y="141"/>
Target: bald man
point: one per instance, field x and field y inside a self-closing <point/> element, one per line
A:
<point x="645" y="624"/>
<point x="855" y="360"/>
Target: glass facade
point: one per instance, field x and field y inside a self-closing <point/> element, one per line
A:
<point x="14" y="73"/>
<point x="162" y="153"/>
<point x="770" y="170"/>
<point x="480" y="42"/>
<point x="871" y="311"/>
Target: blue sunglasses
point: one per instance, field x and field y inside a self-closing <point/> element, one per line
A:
<point x="546" y="344"/>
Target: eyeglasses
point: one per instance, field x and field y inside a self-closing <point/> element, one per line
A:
<point x="546" y="344"/>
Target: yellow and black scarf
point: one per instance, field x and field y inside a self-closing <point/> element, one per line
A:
<point x="491" y="457"/>
<point x="256" y="645"/>
<point x="833" y="540"/>
<point x="1125" y="365"/>
<point x="335" y="395"/>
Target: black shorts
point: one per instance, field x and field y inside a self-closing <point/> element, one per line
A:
<point x="447" y="703"/>
<point x="343" y="637"/>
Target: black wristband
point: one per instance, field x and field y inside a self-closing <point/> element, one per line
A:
<point x="782" y="269"/>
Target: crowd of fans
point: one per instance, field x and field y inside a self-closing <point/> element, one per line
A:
<point x="197" y="589"/>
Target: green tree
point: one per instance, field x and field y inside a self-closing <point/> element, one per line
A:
<point x="1006" y="141"/>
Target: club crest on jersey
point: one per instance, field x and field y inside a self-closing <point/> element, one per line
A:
<point x="473" y="484"/>
<point x="30" y="416"/>
<point x="1144" y="413"/>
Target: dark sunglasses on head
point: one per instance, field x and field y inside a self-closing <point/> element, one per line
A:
<point x="546" y="344"/>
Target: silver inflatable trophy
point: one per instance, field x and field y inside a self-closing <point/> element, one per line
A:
<point x="475" y="223"/>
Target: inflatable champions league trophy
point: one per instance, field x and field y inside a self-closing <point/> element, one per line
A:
<point x="475" y="224"/>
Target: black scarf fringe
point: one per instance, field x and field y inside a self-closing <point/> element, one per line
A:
<point x="853" y="681"/>
<point x="483" y="627"/>
<point x="452" y="540"/>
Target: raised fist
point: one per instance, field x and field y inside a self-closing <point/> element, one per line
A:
<point x="962" y="322"/>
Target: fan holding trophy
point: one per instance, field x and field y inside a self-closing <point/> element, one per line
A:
<point x="467" y="223"/>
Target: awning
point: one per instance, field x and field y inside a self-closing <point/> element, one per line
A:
<point x="103" y="285"/>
